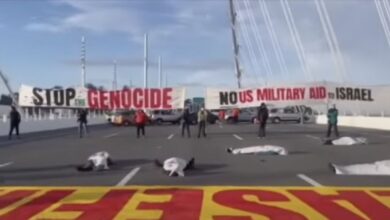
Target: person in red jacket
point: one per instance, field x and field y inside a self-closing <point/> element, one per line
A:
<point x="221" y="115"/>
<point x="140" y="121"/>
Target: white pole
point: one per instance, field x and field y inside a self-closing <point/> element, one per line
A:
<point x="146" y="61"/>
<point x="114" y="82"/>
<point x="83" y="53"/>
<point x="159" y="72"/>
<point x="166" y="79"/>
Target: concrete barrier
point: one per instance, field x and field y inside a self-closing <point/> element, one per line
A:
<point x="48" y="124"/>
<point x="381" y="123"/>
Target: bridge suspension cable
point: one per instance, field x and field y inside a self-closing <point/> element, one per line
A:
<point x="382" y="18"/>
<point x="296" y="39"/>
<point x="274" y="39"/>
<point x="331" y="39"/>
<point x="243" y="30"/>
<point x="259" y="41"/>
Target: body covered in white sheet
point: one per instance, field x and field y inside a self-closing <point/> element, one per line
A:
<point x="346" y="141"/>
<point x="375" y="168"/>
<point x="265" y="149"/>
<point x="97" y="161"/>
<point x="175" y="166"/>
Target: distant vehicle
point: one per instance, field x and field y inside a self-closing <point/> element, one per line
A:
<point x="211" y="118"/>
<point x="246" y="115"/>
<point x="289" y="113"/>
<point x="215" y="112"/>
<point x="109" y="116"/>
<point x="164" y="116"/>
<point x="125" y="118"/>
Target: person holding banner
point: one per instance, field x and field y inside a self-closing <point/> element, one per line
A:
<point x="202" y="119"/>
<point x="262" y="117"/>
<point x="140" y="121"/>
<point x="82" y="120"/>
<point x="14" y="122"/>
<point x="332" y="121"/>
<point x="186" y="122"/>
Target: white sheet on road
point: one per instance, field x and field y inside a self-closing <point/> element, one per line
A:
<point x="266" y="149"/>
<point x="100" y="159"/>
<point x="175" y="165"/>
<point x="348" y="141"/>
<point x="376" y="168"/>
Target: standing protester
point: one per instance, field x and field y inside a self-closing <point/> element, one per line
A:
<point x="140" y="121"/>
<point x="14" y="122"/>
<point x="332" y="121"/>
<point x="236" y="114"/>
<point x="82" y="120"/>
<point x="221" y="115"/>
<point x="202" y="119"/>
<point x="262" y="117"/>
<point x="186" y="122"/>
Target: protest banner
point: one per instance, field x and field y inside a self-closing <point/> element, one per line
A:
<point x="135" y="98"/>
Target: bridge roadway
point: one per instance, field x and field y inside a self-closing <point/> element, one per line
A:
<point x="49" y="158"/>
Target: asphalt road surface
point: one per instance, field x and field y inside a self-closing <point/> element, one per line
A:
<point x="49" y="158"/>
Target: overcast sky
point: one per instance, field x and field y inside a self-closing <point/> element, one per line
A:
<point x="40" y="42"/>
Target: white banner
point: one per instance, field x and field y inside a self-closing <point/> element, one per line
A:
<point x="243" y="98"/>
<point x="358" y="98"/>
<point x="135" y="98"/>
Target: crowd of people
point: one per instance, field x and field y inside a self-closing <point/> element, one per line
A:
<point x="141" y="120"/>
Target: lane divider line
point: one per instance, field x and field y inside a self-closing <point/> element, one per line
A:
<point x="111" y="135"/>
<point x="170" y="136"/>
<point x="308" y="180"/>
<point x="6" y="164"/>
<point x="128" y="177"/>
<point x="238" y="137"/>
<point x="313" y="137"/>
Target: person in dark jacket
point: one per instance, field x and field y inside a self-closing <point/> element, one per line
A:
<point x="186" y="122"/>
<point x="332" y="121"/>
<point x="262" y="117"/>
<point x="14" y="122"/>
<point x="82" y="120"/>
<point x="236" y="115"/>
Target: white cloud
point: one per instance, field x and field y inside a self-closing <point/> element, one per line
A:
<point x="101" y="17"/>
<point x="44" y="27"/>
<point x="128" y="18"/>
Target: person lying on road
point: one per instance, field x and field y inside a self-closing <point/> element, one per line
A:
<point x="376" y="168"/>
<point x="266" y="149"/>
<point x="175" y="166"/>
<point x="97" y="161"/>
<point x="346" y="141"/>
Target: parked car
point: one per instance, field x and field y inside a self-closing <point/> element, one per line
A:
<point x="125" y="118"/>
<point x="211" y="118"/>
<point x="246" y="115"/>
<point x="163" y="116"/>
<point x="109" y="116"/>
<point x="289" y="113"/>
